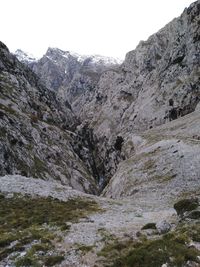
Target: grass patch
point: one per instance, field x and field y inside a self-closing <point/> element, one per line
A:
<point x="39" y="166"/>
<point x="149" y="164"/>
<point x="164" y="178"/>
<point x="26" y="261"/>
<point x="7" y="109"/>
<point x="52" y="260"/>
<point x="191" y="230"/>
<point x="24" y="219"/>
<point x="85" y="249"/>
<point x="20" y="213"/>
<point x="3" y="132"/>
<point x="157" y="252"/>
<point x="171" y="249"/>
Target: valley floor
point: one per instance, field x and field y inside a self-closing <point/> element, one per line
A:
<point x="83" y="240"/>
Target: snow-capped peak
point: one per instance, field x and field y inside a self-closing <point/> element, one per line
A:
<point x="24" y="56"/>
<point x="53" y="53"/>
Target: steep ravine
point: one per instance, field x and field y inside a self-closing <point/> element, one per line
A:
<point x="98" y="155"/>
<point x="37" y="129"/>
<point x="41" y="136"/>
<point x="129" y="133"/>
<point x="158" y="82"/>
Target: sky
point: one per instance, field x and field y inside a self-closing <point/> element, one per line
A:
<point x="104" y="27"/>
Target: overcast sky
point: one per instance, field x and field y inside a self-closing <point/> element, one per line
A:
<point x="105" y="27"/>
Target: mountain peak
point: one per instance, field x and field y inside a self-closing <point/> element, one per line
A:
<point x="95" y="58"/>
<point x="24" y="56"/>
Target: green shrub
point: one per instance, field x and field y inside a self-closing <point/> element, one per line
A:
<point x="149" y="226"/>
<point x="186" y="205"/>
<point x="52" y="260"/>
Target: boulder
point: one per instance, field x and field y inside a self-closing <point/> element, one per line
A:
<point x="163" y="227"/>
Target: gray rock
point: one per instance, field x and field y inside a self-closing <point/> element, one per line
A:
<point x="36" y="129"/>
<point x="163" y="227"/>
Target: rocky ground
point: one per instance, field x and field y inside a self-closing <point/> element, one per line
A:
<point x="115" y="219"/>
<point x="98" y="233"/>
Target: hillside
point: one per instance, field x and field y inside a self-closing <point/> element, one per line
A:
<point x="36" y="138"/>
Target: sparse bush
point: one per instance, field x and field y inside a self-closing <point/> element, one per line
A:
<point x="149" y="226"/>
<point x="186" y="205"/>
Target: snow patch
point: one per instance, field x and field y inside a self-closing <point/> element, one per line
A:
<point x="24" y="56"/>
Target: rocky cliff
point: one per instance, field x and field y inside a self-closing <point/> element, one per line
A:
<point x="37" y="130"/>
<point x="74" y="78"/>
<point x="158" y="82"/>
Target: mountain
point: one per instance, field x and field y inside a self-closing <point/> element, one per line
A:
<point x="24" y="57"/>
<point x="158" y="82"/>
<point x="69" y="73"/>
<point x="126" y="133"/>
<point x="37" y="130"/>
<point x="74" y="79"/>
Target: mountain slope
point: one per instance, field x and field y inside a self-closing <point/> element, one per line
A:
<point x="36" y="138"/>
<point x="158" y="81"/>
<point x="70" y="74"/>
<point x="164" y="164"/>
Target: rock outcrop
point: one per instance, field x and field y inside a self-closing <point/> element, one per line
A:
<point x="164" y="164"/>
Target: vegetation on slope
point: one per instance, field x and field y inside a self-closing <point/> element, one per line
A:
<point x="32" y="226"/>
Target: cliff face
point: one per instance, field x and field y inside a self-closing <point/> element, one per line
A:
<point x="158" y="81"/>
<point x="36" y="129"/>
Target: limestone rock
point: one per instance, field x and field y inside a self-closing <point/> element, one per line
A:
<point x="157" y="82"/>
<point x="164" y="166"/>
<point x="163" y="227"/>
